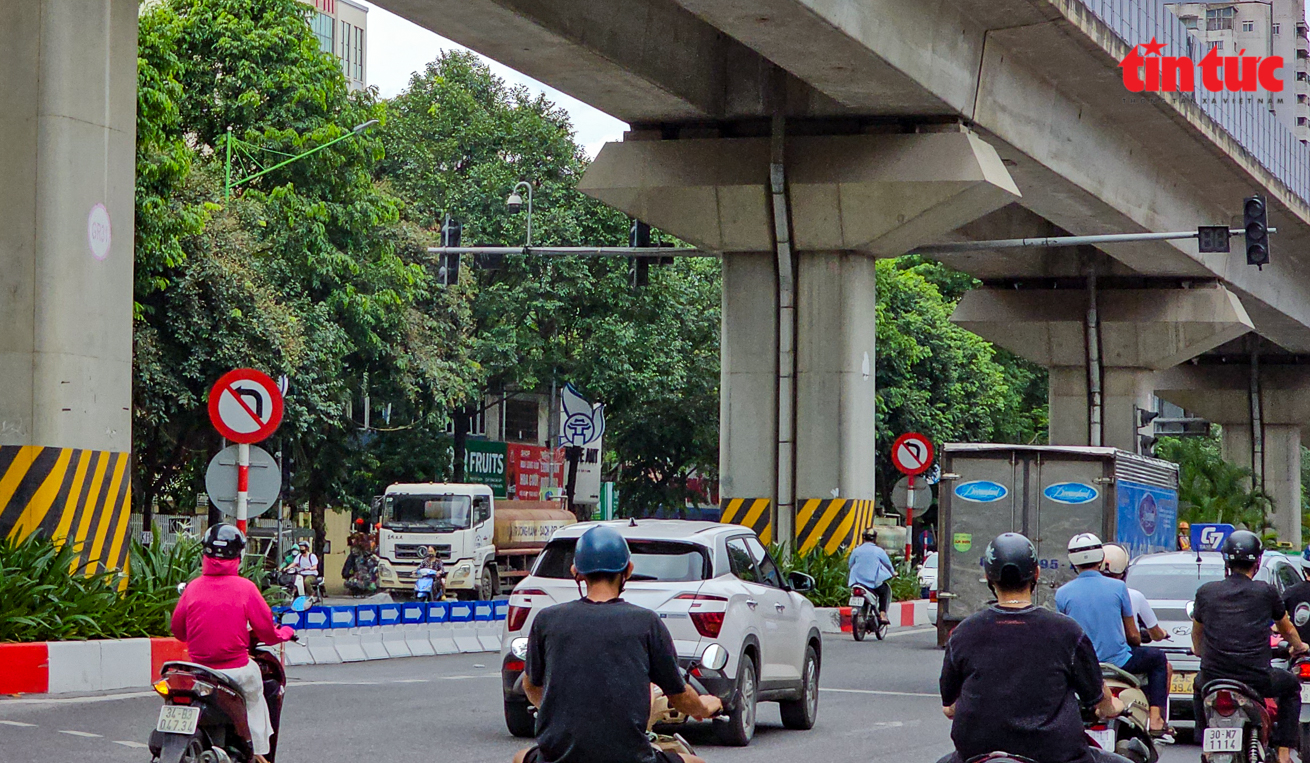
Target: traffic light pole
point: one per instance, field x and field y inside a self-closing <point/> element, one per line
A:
<point x="1058" y="241"/>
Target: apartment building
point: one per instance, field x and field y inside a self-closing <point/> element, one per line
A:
<point x="342" y="30"/>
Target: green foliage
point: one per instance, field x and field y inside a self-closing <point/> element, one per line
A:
<point x="1209" y="488"/>
<point x="905" y="586"/>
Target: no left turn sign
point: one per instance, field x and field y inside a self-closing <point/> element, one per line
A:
<point x="912" y="453"/>
<point x="245" y="405"/>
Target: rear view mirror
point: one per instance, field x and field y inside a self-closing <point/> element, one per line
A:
<point x="300" y="603"/>
<point x="800" y="582"/>
<point x="180" y="588"/>
<point x="714" y="658"/>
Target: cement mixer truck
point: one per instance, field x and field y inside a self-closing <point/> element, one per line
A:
<point x="486" y="545"/>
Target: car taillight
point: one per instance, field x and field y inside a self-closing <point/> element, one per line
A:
<point x="518" y="615"/>
<point x="932" y="595"/>
<point x="514" y="665"/>
<point x="1303" y="670"/>
<point x="1224" y="703"/>
<point x="708" y="624"/>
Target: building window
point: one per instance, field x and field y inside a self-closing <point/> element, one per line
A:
<point x="520" y="419"/>
<point x="1277" y="28"/>
<point x="1217" y="45"/>
<point x="323" y="26"/>
<point x="359" y="54"/>
<point x="1248" y="26"/>
<point x="345" y="48"/>
<point x="1189" y="22"/>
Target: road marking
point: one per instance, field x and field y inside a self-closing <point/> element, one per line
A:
<point x="882" y="693"/>
<point x="895" y="633"/>
<point x="19" y="723"/>
<point x="79" y="733"/>
<point x="410" y="681"/>
<point x="77" y="700"/>
<point x="136" y="745"/>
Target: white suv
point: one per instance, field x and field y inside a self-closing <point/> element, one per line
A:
<point x="711" y="584"/>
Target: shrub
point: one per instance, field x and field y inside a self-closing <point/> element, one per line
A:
<point x="831" y="573"/>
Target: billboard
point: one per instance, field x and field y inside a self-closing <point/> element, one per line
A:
<point x="1147" y="518"/>
<point x="484" y="463"/>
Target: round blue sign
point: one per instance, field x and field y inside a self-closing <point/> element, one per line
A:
<point x="981" y="491"/>
<point x="1071" y="492"/>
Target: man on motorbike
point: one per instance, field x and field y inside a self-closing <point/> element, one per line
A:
<point x="214" y="617"/>
<point x="1115" y="566"/>
<point x="1104" y="609"/>
<point x="581" y="719"/>
<point x="1015" y="676"/>
<point x="305" y="565"/>
<point x="871" y="568"/>
<point x="1230" y="633"/>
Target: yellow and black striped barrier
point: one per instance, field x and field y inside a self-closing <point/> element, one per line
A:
<point x="72" y="495"/>
<point x="755" y="513"/>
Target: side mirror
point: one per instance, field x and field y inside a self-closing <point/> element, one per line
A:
<point x="300" y="603"/>
<point x="800" y="582"/>
<point x="180" y="588"/>
<point x="714" y="658"/>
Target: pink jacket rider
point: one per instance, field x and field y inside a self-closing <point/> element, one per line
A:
<point x="212" y="614"/>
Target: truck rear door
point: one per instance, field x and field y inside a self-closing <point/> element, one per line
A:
<point x="1071" y="499"/>
<point x="980" y="504"/>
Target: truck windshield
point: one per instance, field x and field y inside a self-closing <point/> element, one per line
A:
<point x="651" y="560"/>
<point x="427" y="513"/>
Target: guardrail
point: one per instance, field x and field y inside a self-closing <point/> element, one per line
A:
<point x="403" y="613"/>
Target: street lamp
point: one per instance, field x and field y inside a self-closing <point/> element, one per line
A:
<point x="515" y="203"/>
<point x="229" y="183"/>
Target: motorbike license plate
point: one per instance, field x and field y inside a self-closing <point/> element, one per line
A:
<point x="174" y="719"/>
<point x="1223" y="740"/>
<point x="857" y="601"/>
<point x="1102" y="738"/>
<point x="1182" y="683"/>
<point x="1305" y="694"/>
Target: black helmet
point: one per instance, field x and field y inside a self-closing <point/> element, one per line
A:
<point x="1010" y="559"/>
<point x="224" y="541"/>
<point x="1243" y="547"/>
<point x="870" y="535"/>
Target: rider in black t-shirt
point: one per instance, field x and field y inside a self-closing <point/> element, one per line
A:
<point x="1016" y="677"/>
<point x="1231" y="634"/>
<point x="590" y="665"/>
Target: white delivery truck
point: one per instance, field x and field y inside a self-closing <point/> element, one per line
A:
<point x="486" y="546"/>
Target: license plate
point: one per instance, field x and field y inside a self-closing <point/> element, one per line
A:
<point x="174" y="719"/>
<point x="1223" y="740"/>
<point x="1182" y="683"/>
<point x="1102" y="738"/>
<point x="1305" y="694"/>
<point x="857" y="601"/>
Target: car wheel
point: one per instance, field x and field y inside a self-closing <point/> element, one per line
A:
<point x="519" y="719"/>
<point x="801" y="713"/>
<point x="857" y="621"/>
<point x="739" y="727"/>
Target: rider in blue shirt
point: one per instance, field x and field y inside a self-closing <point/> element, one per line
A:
<point x="872" y="568"/>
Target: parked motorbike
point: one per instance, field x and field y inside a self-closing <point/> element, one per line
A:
<point x="1129" y="734"/>
<point x="203" y="719"/>
<point x="427" y="585"/>
<point x="864" y="614"/>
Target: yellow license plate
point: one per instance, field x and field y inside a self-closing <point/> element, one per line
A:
<point x="1182" y="683"/>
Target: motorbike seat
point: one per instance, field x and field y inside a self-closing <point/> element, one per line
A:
<point x="1116" y="673"/>
<point x="1227" y="683"/>
<point x="208" y="673"/>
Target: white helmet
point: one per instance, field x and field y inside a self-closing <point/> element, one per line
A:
<point x="1116" y="559"/>
<point x="1085" y="549"/>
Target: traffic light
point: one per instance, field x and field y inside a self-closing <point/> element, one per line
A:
<point x="639" y="267"/>
<point x="1146" y="442"/>
<point x="1255" y="220"/>
<point x="451" y="231"/>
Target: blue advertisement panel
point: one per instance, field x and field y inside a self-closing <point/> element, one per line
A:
<point x="1210" y="537"/>
<point x="1147" y="518"/>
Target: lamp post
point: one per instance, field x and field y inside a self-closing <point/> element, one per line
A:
<point x="229" y="183"/>
<point x="515" y="203"/>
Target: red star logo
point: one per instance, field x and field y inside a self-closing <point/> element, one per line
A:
<point x="1153" y="48"/>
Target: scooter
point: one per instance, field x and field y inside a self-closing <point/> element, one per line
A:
<point x="1238" y="720"/>
<point x="203" y="719"/>
<point x="1128" y="734"/>
<point x="1300" y="667"/>
<point x="864" y="614"/>
<point x="427" y="585"/>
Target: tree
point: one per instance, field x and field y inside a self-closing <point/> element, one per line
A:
<point x="1209" y="488"/>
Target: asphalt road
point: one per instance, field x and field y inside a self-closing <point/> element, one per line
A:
<point x="878" y="702"/>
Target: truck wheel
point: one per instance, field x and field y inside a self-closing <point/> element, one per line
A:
<point x="487" y="588"/>
<point x="739" y="727"/>
<point x="519" y="719"/>
<point x="801" y="713"/>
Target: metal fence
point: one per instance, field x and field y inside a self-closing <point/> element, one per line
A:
<point x="1270" y="142"/>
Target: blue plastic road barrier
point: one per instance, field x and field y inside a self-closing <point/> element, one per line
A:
<point x="341" y="617"/>
<point x="483" y="611"/>
<point x="461" y="612"/>
<point x="316" y="618"/>
<point x="502" y="608"/>
<point x="409" y="613"/>
<point x="438" y="612"/>
<point x="366" y="615"/>
<point x="388" y="614"/>
<point x="413" y="612"/>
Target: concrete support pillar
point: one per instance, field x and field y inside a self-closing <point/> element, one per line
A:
<point x="1141" y="331"/>
<point x="68" y="132"/>
<point x="848" y="199"/>
<point x="1282" y="470"/>
<point x="834" y="375"/>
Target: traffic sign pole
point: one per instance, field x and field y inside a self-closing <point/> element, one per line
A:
<point x="243" y="484"/>
<point x="909" y="519"/>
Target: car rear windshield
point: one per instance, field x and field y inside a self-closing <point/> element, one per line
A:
<point x="1167" y="581"/>
<point x="660" y="560"/>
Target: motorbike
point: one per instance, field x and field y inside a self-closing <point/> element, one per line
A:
<point x="1238" y="721"/>
<point x="427" y="585"/>
<point x="203" y="719"/>
<point x="313" y="586"/>
<point x="1129" y="734"/>
<point x="1300" y="668"/>
<point x="864" y="614"/>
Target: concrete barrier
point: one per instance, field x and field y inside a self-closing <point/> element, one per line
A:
<point x="903" y="614"/>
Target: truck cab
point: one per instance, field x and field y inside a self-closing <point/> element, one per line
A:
<point x="457" y="519"/>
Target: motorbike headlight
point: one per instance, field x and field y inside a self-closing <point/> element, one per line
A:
<point x="519" y="648"/>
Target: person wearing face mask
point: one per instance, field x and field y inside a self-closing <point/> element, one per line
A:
<point x="581" y="719"/>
